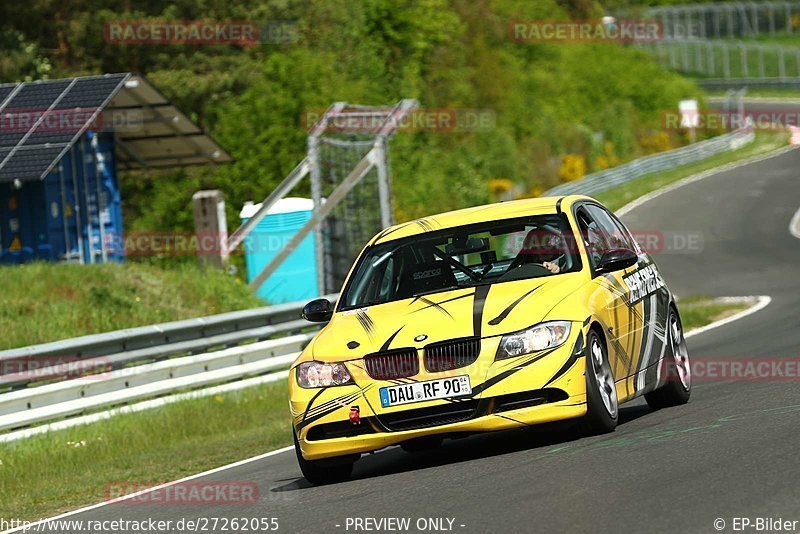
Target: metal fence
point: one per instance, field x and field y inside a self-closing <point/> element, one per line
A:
<point x="726" y="60"/>
<point x="727" y="19"/>
<point x="600" y="181"/>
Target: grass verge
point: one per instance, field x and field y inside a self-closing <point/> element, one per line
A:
<point x="49" y="301"/>
<point x="700" y="311"/>
<point x="615" y="198"/>
<point x="51" y="473"/>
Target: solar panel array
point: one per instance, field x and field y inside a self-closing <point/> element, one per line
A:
<point x="39" y="121"/>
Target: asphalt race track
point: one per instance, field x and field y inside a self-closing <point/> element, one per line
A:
<point x="733" y="451"/>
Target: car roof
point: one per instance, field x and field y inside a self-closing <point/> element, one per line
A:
<point x="478" y="214"/>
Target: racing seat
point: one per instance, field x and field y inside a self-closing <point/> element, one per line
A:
<point x="425" y="277"/>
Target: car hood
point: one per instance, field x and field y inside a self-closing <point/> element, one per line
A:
<point x="483" y="311"/>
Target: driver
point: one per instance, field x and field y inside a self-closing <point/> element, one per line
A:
<point x="543" y="247"/>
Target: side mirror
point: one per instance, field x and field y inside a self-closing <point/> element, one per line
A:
<point x="616" y="259"/>
<point x="318" y="311"/>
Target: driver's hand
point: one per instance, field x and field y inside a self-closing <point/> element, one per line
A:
<point x="552" y="267"/>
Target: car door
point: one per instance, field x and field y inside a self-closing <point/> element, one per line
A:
<point x="649" y="299"/>
<point x="610" y="297"/>
<point x="648" y="302"/>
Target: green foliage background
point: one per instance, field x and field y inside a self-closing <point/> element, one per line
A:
<point x="550" y="99"/>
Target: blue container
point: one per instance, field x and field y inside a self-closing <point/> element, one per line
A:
<point x="71" y="214"/>
<point x="296" y="278"/>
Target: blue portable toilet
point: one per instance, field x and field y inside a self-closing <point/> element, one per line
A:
<point x="296" y="278"/>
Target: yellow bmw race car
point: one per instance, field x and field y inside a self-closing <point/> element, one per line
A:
<point x="488" y="318"/>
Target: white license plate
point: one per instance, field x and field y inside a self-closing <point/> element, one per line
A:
<point x="440" y="388"/>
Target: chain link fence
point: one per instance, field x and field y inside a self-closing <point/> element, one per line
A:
<point x="727" y="60"/>
<point x="727" y="19"/>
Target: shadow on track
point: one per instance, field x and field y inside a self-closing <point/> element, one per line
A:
<point x="470" y="447"/>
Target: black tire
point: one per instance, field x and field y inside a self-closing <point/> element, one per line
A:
<point x="423" y="444"/>
<point x="328" y="471"/>
<point x="678" y="388"/>
<point x="602" y="404"/>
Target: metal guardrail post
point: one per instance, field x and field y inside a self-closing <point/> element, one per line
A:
<point x="781" y="63"/>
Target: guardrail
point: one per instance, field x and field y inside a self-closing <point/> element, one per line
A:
<point x="121" y="348"/>
<point x="602" y="180"/>
<point x="136" y="364"/>
<point x="30" y="406"/>
<point x="750" y="83"/>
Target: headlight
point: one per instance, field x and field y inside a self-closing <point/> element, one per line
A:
<point x="538" y="337"/>
<point x="318" y="374"/>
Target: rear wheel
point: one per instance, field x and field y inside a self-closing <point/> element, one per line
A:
<point x="327" y="471"/>
<point x="679" y="376"/>
<point x="602" y="404"/>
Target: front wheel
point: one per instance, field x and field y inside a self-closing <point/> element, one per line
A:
<point x="602" y="404"/>
<point x="321" y="472"/>
<point x="679" y="376"/>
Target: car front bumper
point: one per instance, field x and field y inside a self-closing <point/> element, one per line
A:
<point x="515" y="393"/>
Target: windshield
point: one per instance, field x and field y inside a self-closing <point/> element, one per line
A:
<point x="484" y="253"/>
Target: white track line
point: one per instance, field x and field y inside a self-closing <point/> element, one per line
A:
<point x="762" y="301"/>
<point x="627" y="208"/>
<point x="794" y="225"/>
<point x="138" y="493"/>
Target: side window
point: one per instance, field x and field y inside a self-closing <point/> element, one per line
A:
<point x="614" y="235"/>
<point x="593" y="238"/>
<point x="386" y="290"/>
<point x="632" y="244"/>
